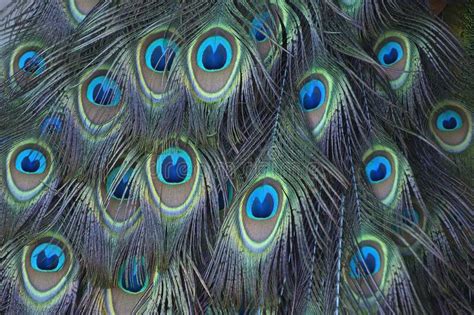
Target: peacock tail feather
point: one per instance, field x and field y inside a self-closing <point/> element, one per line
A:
<point x="236" y="157"/>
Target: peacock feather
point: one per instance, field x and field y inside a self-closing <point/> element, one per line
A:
<point x="236" y="157"/>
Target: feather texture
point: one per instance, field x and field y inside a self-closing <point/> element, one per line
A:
<point x="222" y="157"/>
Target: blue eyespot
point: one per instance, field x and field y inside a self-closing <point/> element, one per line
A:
<point x="52" y="123"/>
<point x="174" y="166"/>
<point x="133" y="279"/>
<point x="262" y="204"/>
<point x="47" y="257"/>
<point x="261" y="27"/>
<point x="160" y="54"/>
<point x="31" y="62"/>
<point x="312" y="95"/>
<point x="103" y="91"/>
<point x="390" y="54"/>
<point x="31" y="161"/>
<point x="449" y="120"/>
<point x="411" y="215"/>
<point x="214" y="54"/>
<point x="122" y="187"/>
<point x="378" y="169"/>
<point x="365" y="262"/>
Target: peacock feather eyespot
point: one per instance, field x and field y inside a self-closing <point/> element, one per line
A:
<point x="103" y="91"/>
<point x="451" y="125"/>
<point x="119" y="188"/>
<point x="133" y="277"/>
<point x="390" y="54"/>
<point x="261" y="211"/>
<point x="120" y="210"/>
<point x="47" y="266"/>
<point x="449" y="120"/>
<point x="27" y="63"/>
<point x="396" y="55"/>
<point x="160" y="54"/>
<point x="157" y="55"/>
<point x="262" y="203"/>
<point x="175" y="179"/>
<point x="381" y="172"/>
<point x="31" y="63"/>
<point x="29" y="167"/>
<point x="314" y="97"/>
<point x="367" y="266"/>
<point x="214" y="54"/>
<point x="262" y="27"/>
<point x="213" y="62"/>
<point x="31" y="161"/>
<point x="132" y="283"/>
<point x="174" y="166"/>
<point x="100" y="100"/>
<point x="378" y="169"/>
<point x="264" y="30"/>
<point x="365" y="263"/>
<point x="47" y="257"/>
<point x="78" y="9"/>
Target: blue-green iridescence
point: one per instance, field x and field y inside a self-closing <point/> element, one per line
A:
<point x="122" y="187"/>
<point x="411" y="215"/>
<point x="312" y="95"/>
<point x="365" y="262"/>
<point x="31" y="62"/>
<point x="262" y="203"/>
<point x="31" y="161"/>
<point x="47" y="257"/>
<point x="214" y="54"/>
<point x="449" y="120"/>
<point x="133" y="279"/>
<point x="103" y="91"/>
<point x="378" y="169"/>
<point x="390" y="54"/>
<point x="174" y="166"/>
<point x="160" y="54"/>
<point x="261" y="27"/>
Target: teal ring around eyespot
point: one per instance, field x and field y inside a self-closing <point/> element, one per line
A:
<point x="165" y="44"/>
<point x="387" y="48"/>
<point x="50" y="248"/>
<point x="135" y="266"/>
<point x="31" y="153"/>
<point x="106" y="83"/>
<point x="56" y="292"/>
<point x="260" y="192"/>
<point x="76" y="14"/>
<point x="308" y="88"/>
<point x="111" y="178"/>
<point x="175" y="153"/>
<point x="214" y="41"/>
<point x="448" y="114"/>
<point x="374" y="164"/>
<point x="27" y="195"/>
<point x="29" y="55"/>
<point x="360" y="256"/>
<point x="259" y="24"/>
